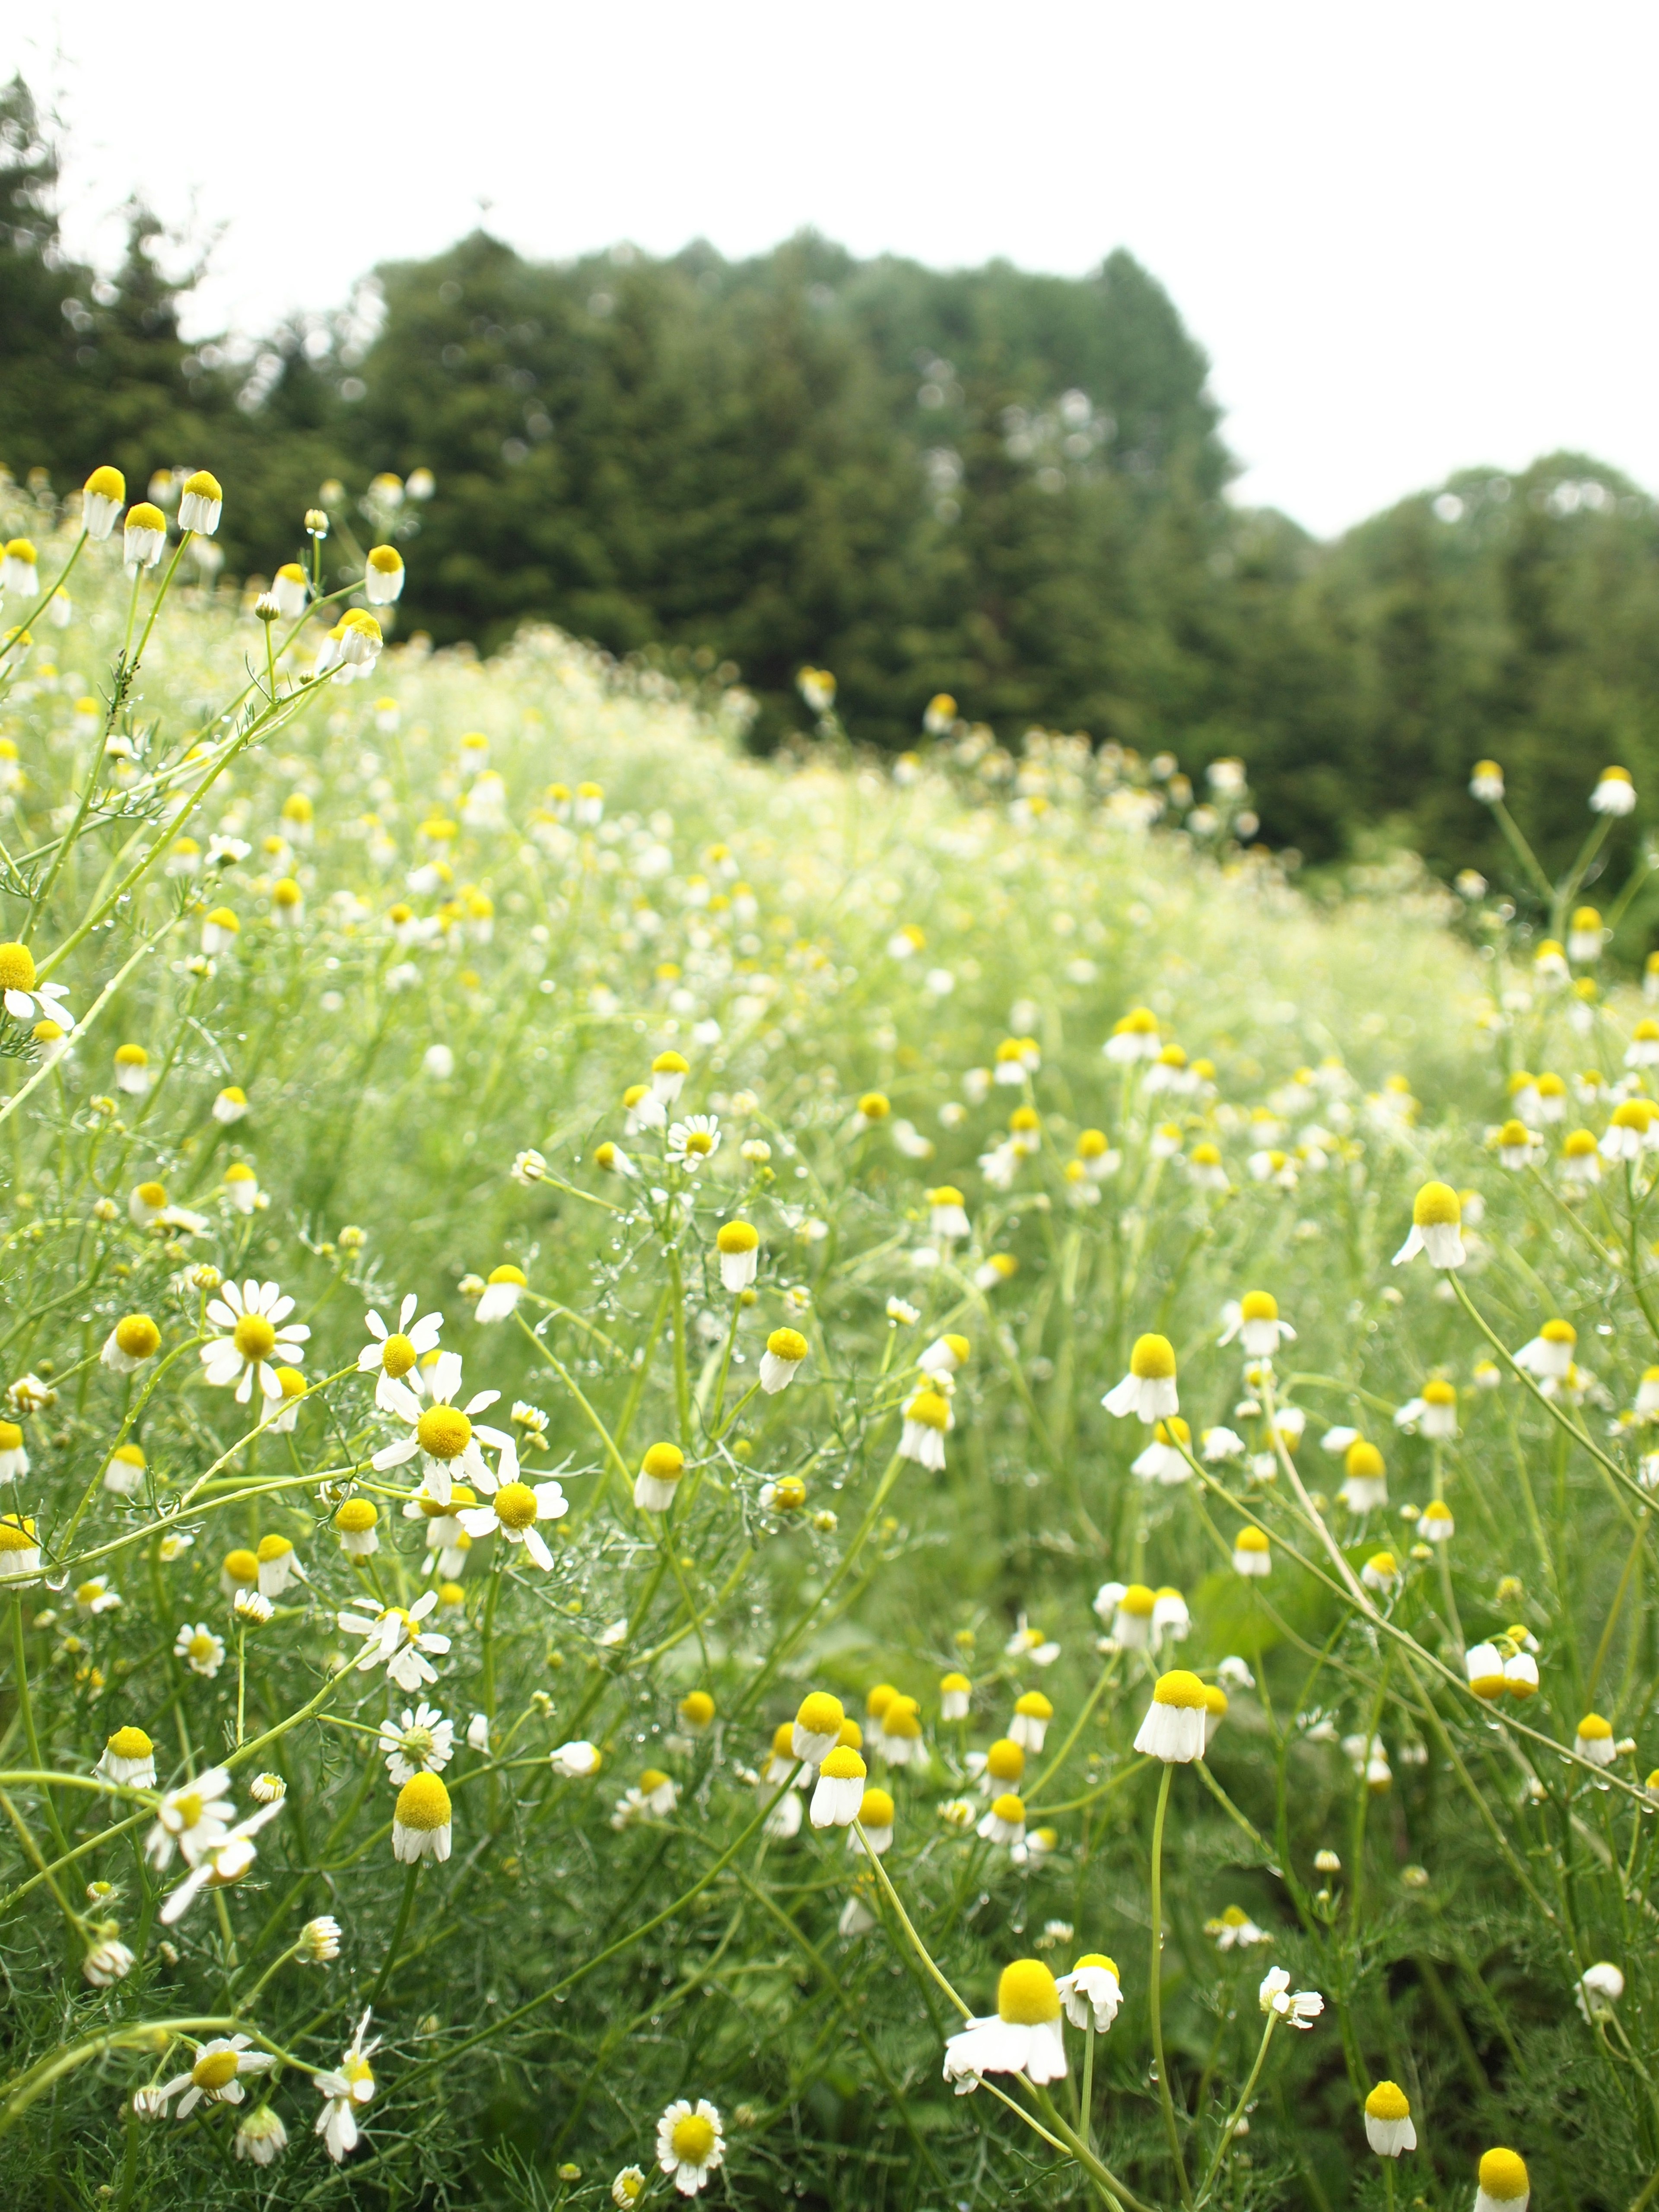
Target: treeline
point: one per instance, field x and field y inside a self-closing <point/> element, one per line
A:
<point x="1005" y="486"/>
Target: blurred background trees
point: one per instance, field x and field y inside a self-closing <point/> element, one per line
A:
<point x="1009" y="487"/>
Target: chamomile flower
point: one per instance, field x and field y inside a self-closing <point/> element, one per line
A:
<point x="690" y="2144"/>
<point x="692" y="1143"/>
<point x="1435" y="1230"/>
<point x="926" y="1419"/>
<point x="1174" y="1729"/>
<point x="129" y="1759"/>
<point x="1091" y="1992"/>
<point x="1388" y="2127"/>
<point x="203" y="1652"/>
<point x="817" y="1727"/>
<point x="576" y="1761"/>
<point x="1502" y="2183"/>
<point x="657" y="1484"/>
<point x="1148" y="1390"/>
<point x="515" y="1507"/>
<point x="353" y="1524"/>
<point x="222" y="1863"/>
<point x="201" y="503"/>
<point x="102" y="498"/>
<point x="738" y="1243"/>
<point x="424" y="1741"/>
<point x="134" y="1340"/>
<point x="1030" y="1725"/>
<point x="956" y="1694"/>
<point x="1023" y="2036"/>
<point x="442" y="1433"/>
<point x="398" y="1641"/>
<point x="24" y="998"/>
<point x="1161" y="1461"/>
<point x="1615" y="792"/>
<point x="1255" y="1319"/>
<point x="1252" y="1553"/>
<point x="1366" y="1479"/>
<point x="503" y="1289"/>
<point x="214" y="2076"/>
<point x="947" y="1217"/>
<point x="260" y="1338"/>
<point x="1549" y="1356"/>
<point x="839" y="1791"/>
<point x="421" y="1820"/>
<point x="785" y="1348"/>
<point x="1300" y="2008"/>
<point x="345" y="2090"/>
<point x="191" y="1819"/>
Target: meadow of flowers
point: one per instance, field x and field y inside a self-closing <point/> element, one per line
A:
<point x="882" y="1487"/>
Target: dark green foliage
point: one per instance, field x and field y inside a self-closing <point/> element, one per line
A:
<point x="1005" y="486"/>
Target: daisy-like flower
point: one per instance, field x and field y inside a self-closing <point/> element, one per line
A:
<point x="440" y="1431"/>
<point x="1615" y="792"/>
<point x="1135" y="1036"/>
<point x="1434" y="1414"/>
<point x="396" y="1640"/>
<point x="25" y="999"/>
<point x="1004" y="1821"/>
<point x="1235" y="1929"/>
<point x="129" y="1759"/>
<point x="279" y="1566"/>
<point x="1148" y="1390"/>
<point x="690" y="2144"/>
<point x="1380" y="1572"/>
<point x="200" y="504"/>
<point x="875" y="1818"/>
<point x="1174" y="1729"/>
<point x="422" y="1742"/>
<point x="785" y="1348"/>
<point x="502" y="1289"/>
<point x="839" y="1791"/>
<point x="1548" y="1357"/>
<point x="1484" y="1664"/>
<point x="1629" y="1133"/>
<point x="1389" y="2127"/>
<point x="1437" y="1228"/>
<point x="627" y="2188"/>
<point x="222" y="1863"/>
<point x="668" y="1072"/>
<point x="1255" y="1319"/>
<point x="354" y="1523"/>
<point x="947" y="1218"/>
<point x="738" y="1243"/>
<point x="926" y="1419"/>
<point x="94" y="1597"/>
<point x="391" y="1353"/>
<point x="1252" y="1553"/>
<point x="515" y="1507"/>
<point x="102" y="497"/>
<point x="1301" y="2008"/>
<point x="421" y="1820"/>
<point x="191" y="1819"/>
<point x="144" y="538"/>
<point x="1594" y="1741"/>
<point x="215" y="2077"/>
<point x="1502" y="2184"/>
<point x="653" y="1798"/>
<point x="658" y="1482"/>
<point x="819" y="1724"/>
<point x="1023" y="2036"/>
<point x="1161" y="1461"/>
<point x="956" y="1694"/>
<point x="260" y="1338"/>
<point x="694" y="1141"/>
<point x="1130" y="1607"/>
<point x="202" y="1650"/>
<point x="1366" y="1481"/>
<point x="383" y="575"/>
<point x="349" y="2086"/>
<point x="1091" y="1992"/>
<point x="898" y="1735"/>
<point x="1434" y="1524"/>
<point x="575" y="1762"/>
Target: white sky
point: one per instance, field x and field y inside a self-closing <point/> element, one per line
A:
<point x="1413" y="238"/>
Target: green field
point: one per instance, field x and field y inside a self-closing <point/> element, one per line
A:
<point x="473" y="905"/>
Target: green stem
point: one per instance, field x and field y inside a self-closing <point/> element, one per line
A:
<point x="26" y="1709"/>
<point x="404" y="1909"/>
<point x="1155" y="1986"/>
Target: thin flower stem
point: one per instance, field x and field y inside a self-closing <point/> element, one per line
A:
<point x="25" y="1709"/>
<point x="405" y="1907"/>
<point x="1155" y="1985"/>
<point x="1240" y="2108"/>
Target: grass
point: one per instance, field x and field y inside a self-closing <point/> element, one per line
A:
<point x="434" y="1028"/>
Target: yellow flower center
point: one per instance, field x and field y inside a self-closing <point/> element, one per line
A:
<point x="201" y="1646"/>
<point x="356" y="1514"/>
<point x="17" y="1537"/>
<point x="1437" y="1206"/>
<point x="16" y="968"/>
<point x="1259" y="1305"/>
<point x="1388" y="2101"/>
<point x="1153" y="1360"/>
<point x="422" y="1802"/>
<point x="736" y="1236"/>
<point x="1026" y="1994"/>
<point x="515" y="1504"/>
<point x="214" y="2068"/>
<point x="663" y="1462"/>
<point x="130" y="1743"/>
<point x="1179" y="1688"/>
<point x="254" y="1337"/>
<point x="1004" y="1761"/>
<point x="786" y="1344"/>
<point x="398" y="1356"/>
<point x="1504" y="2175"/>
<point x="138" y="1336"/>
<point x="820" y="1714"/>
<point x="699" y="1141"/>
<point x="241" y="1566"/>
<point x="443" y="1432"/>
<point x="692" y="2139"/>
